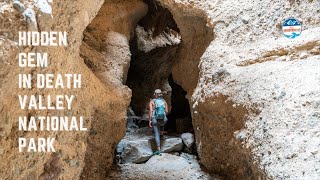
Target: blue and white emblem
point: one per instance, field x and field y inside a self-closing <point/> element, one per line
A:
<point x="291" y="28"/>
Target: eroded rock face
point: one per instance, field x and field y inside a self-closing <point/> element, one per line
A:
<point x="255" y="104"/>
<point x="251" y="91"/>
<point x="105" y="47"/>
<point x="196" y="36"/>
<point x="153" y="48"/>
<point x="102" y="103"/>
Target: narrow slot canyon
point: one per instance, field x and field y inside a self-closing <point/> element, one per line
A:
<point x="146" y="49"/>
<point x="153" y="54"/>
<point x="153" y="48"/>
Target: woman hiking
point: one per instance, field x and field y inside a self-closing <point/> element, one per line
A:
<point x="158" y="110"/>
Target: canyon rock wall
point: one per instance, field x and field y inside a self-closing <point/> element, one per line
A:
<point x="256" y="103"/>
<point x="102" y="102"/>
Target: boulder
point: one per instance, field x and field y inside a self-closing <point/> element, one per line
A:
<point x="172" y="144"/>
<point x="120" y="146"/>
<point x="137" y="151"/>
<point x="168" y="162"/>
<point x="188" y="139"/>
<point x="141" y="149"/>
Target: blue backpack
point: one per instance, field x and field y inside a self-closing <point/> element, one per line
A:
<point x="160" y="108"/>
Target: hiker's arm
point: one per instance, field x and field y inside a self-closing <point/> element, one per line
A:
<point x="167" y="109"/>
<point x="150" y="113"/>
<point x="150" y="110"/>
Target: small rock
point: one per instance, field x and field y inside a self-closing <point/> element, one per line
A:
<point x="245" y="19"/>
<point x="44" y="7"/>
<point x="120" y="146"/>
<point x="303" y="55"/>
<point x="31" y="20"/>
<point x="130" y="111"/>
<point x="288" y="58"/>
<point x="18" y="6"/>
<point x="240" y="135"/>
<point x="73" y="162"/>
<point x="175" y="153"/>
<point x="188" y="139"/>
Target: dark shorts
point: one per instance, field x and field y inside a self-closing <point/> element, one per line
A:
<point x="159" y="122"/>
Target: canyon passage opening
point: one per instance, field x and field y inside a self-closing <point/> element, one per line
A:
<point x="151" y="69"/>
<point x="153" y="51"/>
<point x="143" y="49"/>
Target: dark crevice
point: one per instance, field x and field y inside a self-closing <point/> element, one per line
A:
<point x="158" y="18"/>
<point x="152" y="70"/>
<point x="180" y="116"/>
<point x="147" y="72"/>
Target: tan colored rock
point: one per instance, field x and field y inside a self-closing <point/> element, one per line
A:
<point x="102" y="103"/>
<point x="196" y="36"/>
<point x="256" y="121"/>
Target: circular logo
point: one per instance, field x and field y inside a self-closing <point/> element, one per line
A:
<point x="291" y="28"/>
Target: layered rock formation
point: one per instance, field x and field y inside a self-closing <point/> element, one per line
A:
<point x="103" y="103"/>
<point x="253" y="94"/>
<point x="255" y="108"/>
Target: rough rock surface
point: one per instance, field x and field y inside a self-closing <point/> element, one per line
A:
<point x="138" y="144"/>
<point x="256" y="103"/>
<point x="166" y="166"/>
<point x="188" y="139"/>
<point x="137" y="151"/>
<point x="103" y="104"/>
<point x="153" y="47"/>
<point x="172" y="144"/>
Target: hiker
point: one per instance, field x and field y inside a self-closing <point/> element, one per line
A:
<point x="158" y="110"/>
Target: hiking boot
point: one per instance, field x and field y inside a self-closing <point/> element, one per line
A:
<point x="157" y="153"/>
